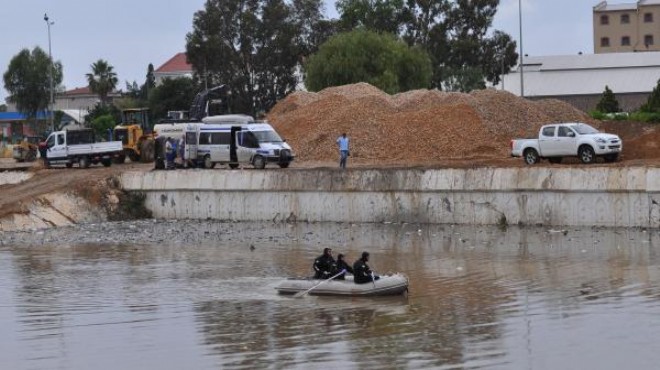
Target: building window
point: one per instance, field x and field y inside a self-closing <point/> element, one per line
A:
<point x="648" y="17"/>
<point x="605" y="42"/>
<point x="625" y="41"/>
<point x="648" y="40"/>
<point x="625" y="18"/>
<point x="604" y="19"/>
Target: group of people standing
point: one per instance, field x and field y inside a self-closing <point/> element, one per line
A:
<point x="326" y="267"/>
<point x="173" y="149"/>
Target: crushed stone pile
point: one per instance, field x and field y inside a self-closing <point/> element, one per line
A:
<point x="417" y="126"/>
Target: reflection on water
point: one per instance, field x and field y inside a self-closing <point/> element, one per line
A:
<point x="479" y="298"/>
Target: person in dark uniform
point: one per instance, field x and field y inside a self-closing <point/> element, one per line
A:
<point x="342" y="265"/>
<point x="362" y="272"/>
<point x="324" y="265"/>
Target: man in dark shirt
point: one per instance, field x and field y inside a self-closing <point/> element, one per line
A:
<point x="324" y="265"/>
<point x="342" y="265"/>
<point x="362" y="272"/>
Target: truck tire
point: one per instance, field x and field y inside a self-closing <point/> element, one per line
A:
<point x="586" y="154"/>
<point x="31" y="155"/>
<point x="208" y="164"/>
<point x="83" y="162"/>
<point x="531" y="156"/>
<point x="284" y="164"/>
<point x="555" y="160"/>
<point x="106" y="162"/>
<point x="259" y="162"/>
<point x="133" y="156"/>
<point x="121" y="158"/>
<point x="609" y="158"/>
<point x="147" y="150"/>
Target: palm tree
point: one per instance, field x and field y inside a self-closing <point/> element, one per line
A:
<point x="102" y="80"/>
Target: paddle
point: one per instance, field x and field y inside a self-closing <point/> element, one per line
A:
<point x="300" y="294"/>
<point x="372" y="279"/>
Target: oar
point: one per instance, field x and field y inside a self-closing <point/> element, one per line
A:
<point x="372" y="279"/>
<point x="300" y="294"/>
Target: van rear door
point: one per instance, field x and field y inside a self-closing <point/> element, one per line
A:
<point x="191" y="145"/>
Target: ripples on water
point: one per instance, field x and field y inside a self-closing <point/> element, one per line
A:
<point x="479" y="298"/>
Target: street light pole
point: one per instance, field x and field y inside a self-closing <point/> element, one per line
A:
<point x="51" y="102"/>
<point x="522" y="70"/>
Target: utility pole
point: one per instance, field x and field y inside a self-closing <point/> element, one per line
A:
<point x="522" y="72"/>
<point x="50" y="76"/>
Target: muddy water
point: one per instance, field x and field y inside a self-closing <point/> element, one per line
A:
<point x="200" y="296"/>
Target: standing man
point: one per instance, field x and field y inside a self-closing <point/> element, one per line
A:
<point x="170" y="153"/>
<point x="342" y="141"/>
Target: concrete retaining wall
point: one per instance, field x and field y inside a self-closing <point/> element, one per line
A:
<point x="581" y="196"/>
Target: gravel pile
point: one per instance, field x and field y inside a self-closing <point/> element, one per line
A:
<point x="415" y="126"/>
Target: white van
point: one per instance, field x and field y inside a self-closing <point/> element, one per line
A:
<point x="175" y="128"/>
<point x="235" y="143"/>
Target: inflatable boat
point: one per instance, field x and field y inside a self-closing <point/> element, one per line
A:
<point x="394" y="284"/>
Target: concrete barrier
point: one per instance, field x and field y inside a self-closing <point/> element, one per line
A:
<point x="580" y="196"/>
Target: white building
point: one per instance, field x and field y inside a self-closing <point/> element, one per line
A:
<point x="581" y="79"/>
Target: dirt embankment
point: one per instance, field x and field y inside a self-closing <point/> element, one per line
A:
<point x="58" y="196"/>
<point x="433" y="128"/>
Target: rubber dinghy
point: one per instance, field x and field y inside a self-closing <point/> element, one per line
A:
<point x="394" y="284"/>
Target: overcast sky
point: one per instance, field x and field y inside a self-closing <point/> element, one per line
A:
<point x="132" y="34"/>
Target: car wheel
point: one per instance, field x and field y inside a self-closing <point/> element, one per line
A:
<point x="147" y="151"/>
<point x="587" y="154"/>
<point x="83" y="162"/>
<point x="259" y="162"/>
<point x="531" y="156"/>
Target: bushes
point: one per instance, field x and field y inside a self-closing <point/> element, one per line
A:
<point x="645" y="116"/>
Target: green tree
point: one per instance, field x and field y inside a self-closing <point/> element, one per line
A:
<point x="102" y="124"/>
<point x="172" y="94"/>
<point x="453" y="32"/>
<point x="102" y="80"/>
<point x="653" y="102"/>
<point x="464" y="79"/>
<point x="499" y="55"/>
<point x="149" y="82"/>
<point x="103" y="110"/>
<point x="376" y="15"/>
<point x="608" y="102"/>
<point x="365" y="56"/>
<point x="253" y="46"/>
<point x="27" y="80"/>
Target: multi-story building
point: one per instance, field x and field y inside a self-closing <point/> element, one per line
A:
<point x="627" y="27"/>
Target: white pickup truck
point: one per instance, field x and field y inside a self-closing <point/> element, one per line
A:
<point x="79" y="146"/>
<point x="557" y="141"/>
